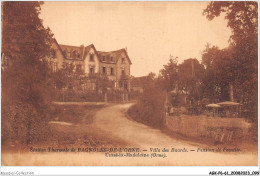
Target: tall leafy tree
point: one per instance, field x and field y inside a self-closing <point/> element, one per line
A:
<point x="210" y="84"/>
<point x="219" y="74"/>
<point x="26" y="80"/>
<point x="190" y="76"/>
<point x="169" y="75"/>
<point x="242" y="17"/>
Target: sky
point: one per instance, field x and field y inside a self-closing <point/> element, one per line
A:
<point x="151" y="31"/>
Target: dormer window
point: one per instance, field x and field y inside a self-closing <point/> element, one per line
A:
<point x="78" y="55"/>
<point x="91" y="57"/>
<point x="104" y="58"/>
<point x="111" y="59"/>
<point x="74" y="54"/>
<point x="123" y="60"/>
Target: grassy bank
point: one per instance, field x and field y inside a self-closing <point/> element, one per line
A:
<point x="70" y="126"/>
<point x="75" y="114"/>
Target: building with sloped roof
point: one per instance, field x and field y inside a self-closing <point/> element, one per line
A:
<point x="113" y="64"/>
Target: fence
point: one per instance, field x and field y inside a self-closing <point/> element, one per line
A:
<point x="216" y="129"/>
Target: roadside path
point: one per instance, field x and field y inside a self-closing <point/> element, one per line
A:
<point x="112" y="122"/>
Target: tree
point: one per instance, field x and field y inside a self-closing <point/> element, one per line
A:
<point x="23" y="35"/>
<point x="168" y="76"/>
<point x="242" y="54"/>
<point x="190" y="75"/>
<point x="220" y="73"/>
<point x="27" y="81"/>
<point x="102" y="83"/>
<point x="150" y="106"/>
<point x="69" y="76"/>
<point x="242" y="17"/>
<point x="151" y="76"/>
<point x="149" y="80"/>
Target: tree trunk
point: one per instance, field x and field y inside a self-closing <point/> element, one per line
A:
<point x="231" y="92"/>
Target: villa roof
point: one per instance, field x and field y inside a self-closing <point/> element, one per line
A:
<point x="83" y="51"/>
<point x="79" y="50"/>
<point x="114" y="54"/>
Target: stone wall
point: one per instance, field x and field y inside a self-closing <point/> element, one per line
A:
<point x="216" y="129"/>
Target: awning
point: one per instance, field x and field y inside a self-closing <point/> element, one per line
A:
<point x="213" y="105"/>
<point x="228" y="103"/>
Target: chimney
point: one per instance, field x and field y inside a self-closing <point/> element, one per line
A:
<point x="83" y="50"/>
<point x="126" y="49"/>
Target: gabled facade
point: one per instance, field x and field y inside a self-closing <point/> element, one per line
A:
<point x="113" y="64"/>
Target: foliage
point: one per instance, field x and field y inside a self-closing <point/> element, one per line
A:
<point x="219" y="73"/>
<point x="190" y="75"/>
<point x="228" y="67"/>
<point x="242" y="17"/>
<point x="223" y="74"/>
<point x="78" y="96"/>
<point x="150" y="107"/>
<point x="26" y="80"/>
<point x="71" y="84"/>
<point x="237" y="64"/>
<point x="69" y="76"/>
<point x="23" y="35"/>
<point x="102" y="83"/>
<point x="184" y="78"/>
<point x="169" y="74"/>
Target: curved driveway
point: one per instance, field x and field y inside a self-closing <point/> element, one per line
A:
<point x="113" y="121"/>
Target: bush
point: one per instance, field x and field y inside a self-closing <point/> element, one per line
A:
<point x="150" y="108"/>
<point x="23" y="124"/>
<point x="26" y="79"/>
<point x="74" y="96"/>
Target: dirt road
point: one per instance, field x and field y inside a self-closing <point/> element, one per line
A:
<point x="112" y="121"/>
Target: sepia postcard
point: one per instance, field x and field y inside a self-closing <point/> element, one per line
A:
<point x="129" y="84"/>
